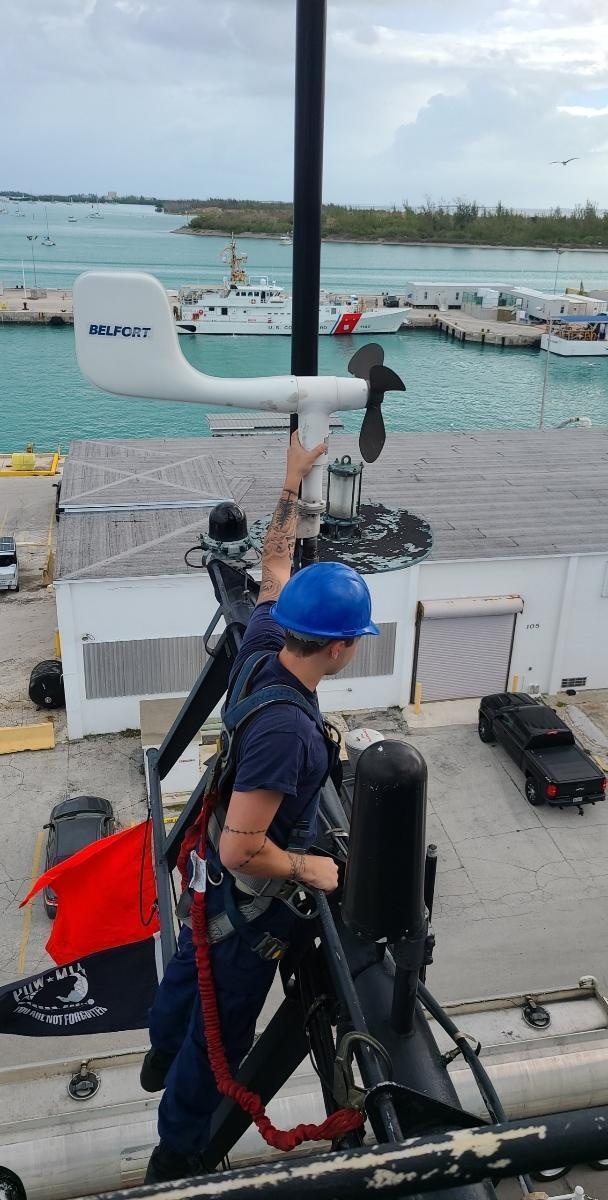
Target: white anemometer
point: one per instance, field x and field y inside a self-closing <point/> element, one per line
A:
<point x="127" y="343"/>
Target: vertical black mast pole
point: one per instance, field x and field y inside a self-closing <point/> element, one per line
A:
<point x="307" y="193"/>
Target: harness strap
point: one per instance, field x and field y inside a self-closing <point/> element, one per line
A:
<point x="239" y="708"/>
<point x="335" y="1126"/>
<point x="243" y="680"/>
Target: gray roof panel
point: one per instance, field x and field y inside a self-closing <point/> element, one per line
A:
<point x="486" y="494"/>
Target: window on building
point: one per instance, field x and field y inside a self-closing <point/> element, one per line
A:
<point x="426" y="295"/>
<point x="224" y="312"/>
<point x="211" y="308"/>
<point x="574" y="681"/>
<point x="458" y="295"/>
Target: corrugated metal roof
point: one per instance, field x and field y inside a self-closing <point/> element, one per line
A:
<point x="486" y="494"/>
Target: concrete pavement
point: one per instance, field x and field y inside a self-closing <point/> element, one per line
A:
<point x="521" y="892"/>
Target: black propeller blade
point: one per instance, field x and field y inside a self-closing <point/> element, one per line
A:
<point x="368" y="364"/>
<point x="361" y="363"/>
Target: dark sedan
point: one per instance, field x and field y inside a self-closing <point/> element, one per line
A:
<point x="74" y="824"/>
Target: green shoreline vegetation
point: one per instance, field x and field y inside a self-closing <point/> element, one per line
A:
<point x="462" y="223"/>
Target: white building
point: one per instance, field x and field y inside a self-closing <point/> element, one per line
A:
<point x="539" y="306"/>
<point x="516" y="584"/>
<point x="434" y="294"/>
<point x="542" y="306"/>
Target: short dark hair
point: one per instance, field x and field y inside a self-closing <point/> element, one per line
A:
<point x="305" y="646"/>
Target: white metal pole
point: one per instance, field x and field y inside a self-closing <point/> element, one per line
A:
<point x="23" y="278"/>
<point x="549" y="332"/>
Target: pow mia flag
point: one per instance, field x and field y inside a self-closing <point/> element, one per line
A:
<point x="101" y="993"/>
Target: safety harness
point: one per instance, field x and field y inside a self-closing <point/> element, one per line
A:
<point x="246" y="897"/>
<point x="192" y="862"/>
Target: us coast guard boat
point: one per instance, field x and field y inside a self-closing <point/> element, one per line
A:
<point x="241" y="306"/>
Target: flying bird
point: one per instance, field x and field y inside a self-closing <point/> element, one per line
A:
<point x="563" y="162"/>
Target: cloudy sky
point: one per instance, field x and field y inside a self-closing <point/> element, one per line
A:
<point x="439" y="98"/>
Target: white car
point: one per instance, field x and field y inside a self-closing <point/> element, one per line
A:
<point x="9" y="566"/>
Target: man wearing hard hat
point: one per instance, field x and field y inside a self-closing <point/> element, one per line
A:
<point x="257" y="854"/>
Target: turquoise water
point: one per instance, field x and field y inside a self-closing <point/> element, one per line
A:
<point x="449" y="386"/>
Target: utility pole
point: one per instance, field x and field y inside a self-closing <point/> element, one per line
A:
<point x="34" y="238"/>
<point x="311" y="21"/>
<point x="549" y="332"/>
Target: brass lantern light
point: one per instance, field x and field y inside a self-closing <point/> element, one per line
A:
<point x="341" y="518"/>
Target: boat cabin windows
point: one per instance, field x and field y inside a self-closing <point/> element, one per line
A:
<point x="224" y="312"/>
<point x="333" y="312"/>
<point x="211" y="308"/>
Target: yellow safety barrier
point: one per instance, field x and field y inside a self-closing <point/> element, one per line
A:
<point x="23" y="460"/>
<point x="27" y="737"/>
<point x="21" y="469"/>
<point x="515" y="683"/>
<point x="418" y="699"/>
<point x="57" y="644"/>
<point x="48" y="569"/>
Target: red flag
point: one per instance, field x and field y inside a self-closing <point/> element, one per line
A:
<point x="106" y="895"/>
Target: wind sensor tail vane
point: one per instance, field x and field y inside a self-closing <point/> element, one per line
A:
<point x="127" y="343"/>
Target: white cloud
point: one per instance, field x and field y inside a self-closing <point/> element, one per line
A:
<point x="442" y="98"/>
<point x="581" y="110"/>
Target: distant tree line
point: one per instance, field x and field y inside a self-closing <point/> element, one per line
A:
<point x="463" y="221"/>
<point x="81" y="198"/>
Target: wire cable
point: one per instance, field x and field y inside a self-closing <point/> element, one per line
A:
<point x="487" y="1090"/>
<point x="145" y="920"/>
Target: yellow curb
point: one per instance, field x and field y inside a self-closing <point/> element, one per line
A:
<point x="14" y="738"/>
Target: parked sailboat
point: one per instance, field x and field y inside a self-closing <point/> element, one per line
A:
<point x="47" y="241"/>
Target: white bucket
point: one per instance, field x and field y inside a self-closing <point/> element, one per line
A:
<point x="357" y="740"/>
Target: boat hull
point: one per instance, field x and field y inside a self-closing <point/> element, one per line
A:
<point x="264" y="323"/>
<point x="575" y="348"/>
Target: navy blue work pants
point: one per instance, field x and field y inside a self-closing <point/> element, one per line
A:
<point x="242" y="981"/>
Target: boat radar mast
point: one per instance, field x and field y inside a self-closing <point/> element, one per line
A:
<point x="229" y="255"/>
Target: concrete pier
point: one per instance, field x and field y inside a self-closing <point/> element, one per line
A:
<point x="464" y="328"/>
<point x="36" y="306"/>
<point x="53" y="306"/>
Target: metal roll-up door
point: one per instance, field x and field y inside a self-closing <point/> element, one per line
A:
<point x="464" y="646"/>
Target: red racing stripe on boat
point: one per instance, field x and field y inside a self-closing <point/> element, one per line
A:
<point x="347" y="322"/>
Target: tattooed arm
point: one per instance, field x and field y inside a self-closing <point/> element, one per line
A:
<point x="279" y="543"/>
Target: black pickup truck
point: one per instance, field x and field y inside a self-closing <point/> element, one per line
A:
<point x="556" y="769"/>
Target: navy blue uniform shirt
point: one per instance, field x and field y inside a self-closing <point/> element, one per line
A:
<point x="280" y="749"/>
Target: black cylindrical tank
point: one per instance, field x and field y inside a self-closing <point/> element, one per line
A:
<point x="46" y="684"/>
<point x="227" y="522"/>
<point x="384" y="884"/>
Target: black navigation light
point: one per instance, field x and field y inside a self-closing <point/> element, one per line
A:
<point x="228" y="536"/>
<point x="227" y="522"/>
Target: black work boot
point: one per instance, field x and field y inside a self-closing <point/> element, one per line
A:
<point x="154" y="1070"/>
<point x="166" y="1164"/>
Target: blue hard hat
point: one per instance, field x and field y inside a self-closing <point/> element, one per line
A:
<point x="327" y="600"/>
